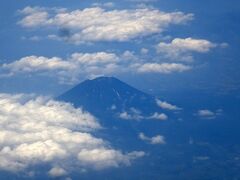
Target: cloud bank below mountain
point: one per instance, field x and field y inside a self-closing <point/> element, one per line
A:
<point x="38" y="130"/>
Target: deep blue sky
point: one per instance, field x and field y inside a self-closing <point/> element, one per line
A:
<point x="217" y="71"/>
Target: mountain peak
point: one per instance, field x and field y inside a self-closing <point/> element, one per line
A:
<point x="103" y="79"/>
<point x="101" y="94"/>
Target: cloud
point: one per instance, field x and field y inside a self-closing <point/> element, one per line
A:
<point x="165" y="68"/>
<point x="95" y="58"/>
<point x="57" y="172"/>
<point x="167" y="106"/>
<point x="208" y="114"/>
<point x="135" y="114"/>
<point x="102" y="158"/>
<point x="132" y="114"/>
<point x="144" y="51"/>
<point x="34" y="16"/>
<point x="67" y="71"/>
<point x="152" y="140"/>
<point x="104" y="5"/>
<point x="85" y="65"/>
<point x="205" y="112"/>
<point x="35" y="63"/>
<point x="181" y="49"/>
<point x="158" y="116"/>
<point x="98" y="24"/>
<point x="38" y="130"/>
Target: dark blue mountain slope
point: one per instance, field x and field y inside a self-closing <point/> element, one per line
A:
<point x="109" y="95"/>
<point x="122" y="109"/>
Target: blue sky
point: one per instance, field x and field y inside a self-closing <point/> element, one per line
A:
<point x="214" y="69"/>
<point x="183" y="51"/>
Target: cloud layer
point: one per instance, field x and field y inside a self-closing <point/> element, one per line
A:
<point x="87" y="65"/>
<point x="36" y="130"/>
<point x="98" y="24"/>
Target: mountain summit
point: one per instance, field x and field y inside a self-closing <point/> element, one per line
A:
<point x="110" y="96"/>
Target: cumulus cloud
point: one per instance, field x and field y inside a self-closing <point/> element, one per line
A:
<point x="85" y="65"/>
<point x="98" y="24"/>
<point x="159" y="116"/>
<point x="34" y="16"/>
<point x="66" y="70"/>
<point x="208" y="114"/>
<point x="164" y="68"/>
<point x="95" y="58"/>
<point x="35" y="63"/>
<point x="152" y="140"/>
<point x="181" y="49"/>
<point x="167" y="106"/>
<point x="38" y="130"/>
<point x="98" y="157"/>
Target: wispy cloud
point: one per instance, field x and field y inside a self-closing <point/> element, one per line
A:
<point x="158" y="139"/>
<point x="208" y="114"/>
<point x="167" y="106"/>
<point x="104" y="5"/>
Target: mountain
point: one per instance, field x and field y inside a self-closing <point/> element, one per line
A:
<point x="111" y="97"/>
<point x="183" y="146"/>
<point x="122" y="109"/>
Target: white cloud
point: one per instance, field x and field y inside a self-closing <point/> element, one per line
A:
<point x="208" y="114"/>
<point x="182" y="49"/>
<point x="34" y="16"/>
<point x="205" y="112"/>
<point x="158" y="116"/>
<point x="152" y="140"/>
<point x="164" y="68"/>
<point x="102" y="158"/>
<point x="166" y="105"/>
<point x="104" y="5"/>
<point x="37" y="130"/>
<point x="57" y="172"/>
<point x="95" y="58"/>
<point x="144" y="51"/>
<point x="66" y="70"/>
<point x="35" y="63"/>
<point x="85" y="65"/>
<point x="97" y="24"/>
<point x="132" y="114"/>
<point x="125" y="115"/>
